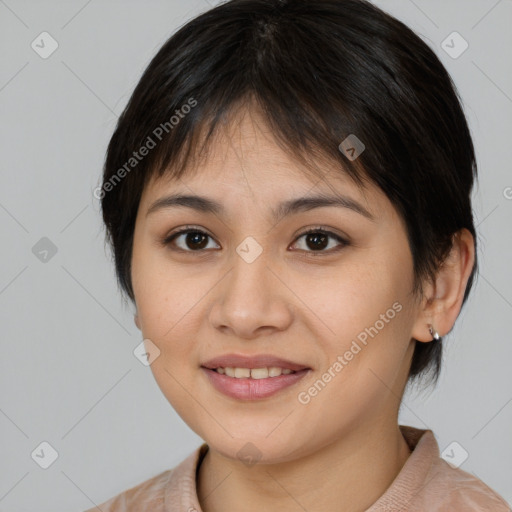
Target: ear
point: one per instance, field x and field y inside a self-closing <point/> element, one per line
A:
<point x="443" y="298"/>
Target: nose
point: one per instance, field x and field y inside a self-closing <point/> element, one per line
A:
<point x="251" y="300"/>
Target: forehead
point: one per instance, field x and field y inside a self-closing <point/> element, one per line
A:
<point x="245" y="159"/>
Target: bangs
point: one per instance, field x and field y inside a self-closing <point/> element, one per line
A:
<point x="305" y="137"/>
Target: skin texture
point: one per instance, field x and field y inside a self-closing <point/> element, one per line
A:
<point x="342" y="449"/>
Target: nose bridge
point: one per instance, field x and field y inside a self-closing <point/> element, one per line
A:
<point x="249" y="275"/>
<point x="249" y="297"/>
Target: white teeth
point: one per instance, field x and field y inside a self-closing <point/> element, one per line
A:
<point x="254" y="373"/>
<point x="259" y="373"/>
<point x="242" y="373"/>
<point x="274" y="371"/>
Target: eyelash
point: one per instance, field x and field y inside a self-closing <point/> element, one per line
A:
<point x="191" y="229"/>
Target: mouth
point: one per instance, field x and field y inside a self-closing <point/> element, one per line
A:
<point x="256" y="362"/>
<point x="253" y="373"/>
<point x="252" y="378"/>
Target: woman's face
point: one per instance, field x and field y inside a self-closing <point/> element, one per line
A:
<point x="252" y="284"/>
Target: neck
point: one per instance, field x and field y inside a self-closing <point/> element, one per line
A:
<point x="349" y="474"/>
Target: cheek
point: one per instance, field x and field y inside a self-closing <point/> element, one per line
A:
<point x="366" y="311"/>
<point x="170" y="305"/>
<point x="167" y="316"/>
<point x="351" y="297"/>
<point x="365" y="361"/>
<point x="161" y="296"/>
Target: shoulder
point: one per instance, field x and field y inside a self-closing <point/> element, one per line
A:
<point x="162" y="491"/>
<point x="450" y="488"/>
<point x="428" y="482"/>
<point x="148" y="495"/>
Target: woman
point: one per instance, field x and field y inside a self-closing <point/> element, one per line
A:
<point x="288" y="198"/>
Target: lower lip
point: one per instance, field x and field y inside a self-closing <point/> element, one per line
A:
<point x="252" y="389"/>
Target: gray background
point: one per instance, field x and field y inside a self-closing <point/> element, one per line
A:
<point x="68" y="375"/>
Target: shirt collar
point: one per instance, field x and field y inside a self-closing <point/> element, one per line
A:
<point x="181" y="492"/>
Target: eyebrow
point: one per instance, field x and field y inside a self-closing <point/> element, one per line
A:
<point x="301" y="204"/>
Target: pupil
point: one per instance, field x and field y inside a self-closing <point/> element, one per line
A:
<point x="196" y="240"/>
<point x="315" y="238"/>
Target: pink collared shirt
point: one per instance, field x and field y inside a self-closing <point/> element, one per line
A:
<point x="426" y="483"/>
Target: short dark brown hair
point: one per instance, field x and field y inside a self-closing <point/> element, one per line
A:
<point x="319" y="70"/>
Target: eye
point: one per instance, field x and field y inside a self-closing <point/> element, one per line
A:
<point x="317" y="239"/>
<point x="194" y="239"/>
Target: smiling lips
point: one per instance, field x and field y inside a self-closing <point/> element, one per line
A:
<point x="252" y="378"/>
<point x="260" y="361"/>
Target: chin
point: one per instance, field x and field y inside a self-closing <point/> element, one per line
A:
<point x="252" y="446"/>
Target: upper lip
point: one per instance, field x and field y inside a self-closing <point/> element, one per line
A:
<point x="258" y="361"/>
